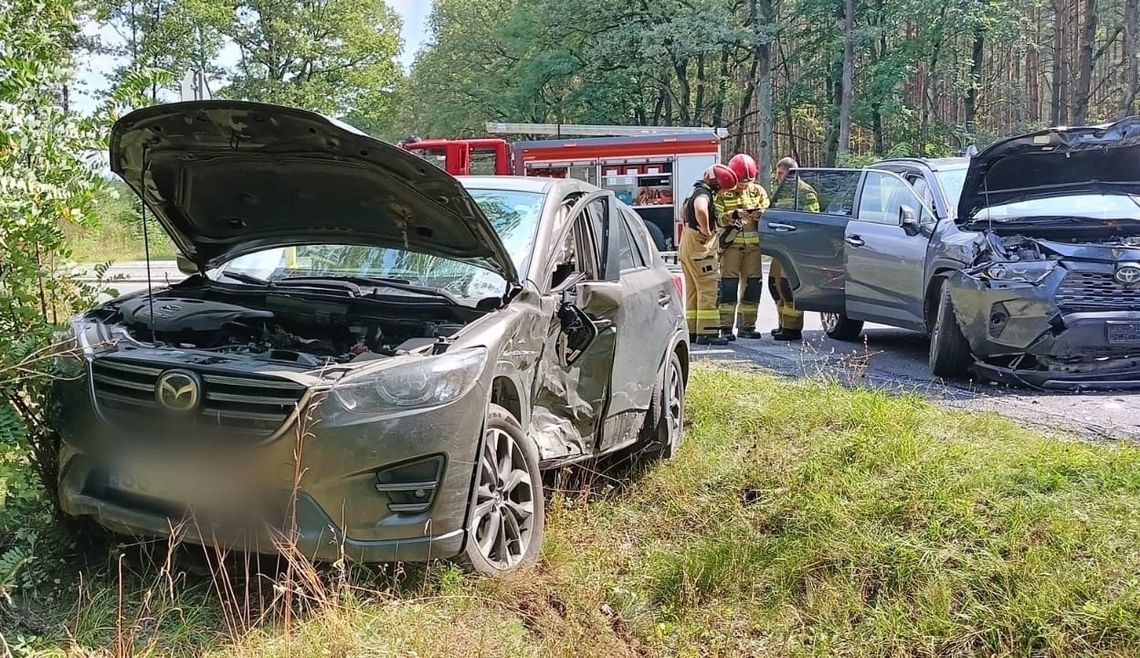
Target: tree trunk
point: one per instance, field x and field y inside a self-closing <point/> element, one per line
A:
<point x="1132" y="87"/>
<point x="843" y="146"/>
<point x="831" y="147"/>
<point x="1085" y="66"/>
<point x="876" y="104"/>
<point x="979" y="50"/>
<point x="1055" y="108"/>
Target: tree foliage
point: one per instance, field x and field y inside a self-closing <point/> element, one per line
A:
<point x="926" y="77"/>
<point x="46" y="184"/>
<point x="332" y="56"/>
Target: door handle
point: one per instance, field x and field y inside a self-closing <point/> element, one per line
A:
<point x="664" y="299"/>
<point x="781" y="227"/>
<point x="854" y="241"/>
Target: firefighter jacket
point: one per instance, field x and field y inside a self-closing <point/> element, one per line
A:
<point x="743" y="197"/>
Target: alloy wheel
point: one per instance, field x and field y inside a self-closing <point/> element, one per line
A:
<point x="504" y="501"/>
<point x="830" y="322"/>
<point x="675" y="404"/>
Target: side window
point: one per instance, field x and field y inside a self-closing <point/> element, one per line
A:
<point x="785" y="195"/>
<point x="576" y="253"/>
<point x="922" y="189"/>
<point x="884" y="196"/>
<point x="830" y="191"/>
<point x="629" y="256"/>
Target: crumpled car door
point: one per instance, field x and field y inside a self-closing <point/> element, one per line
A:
<point x="572" y="384"/>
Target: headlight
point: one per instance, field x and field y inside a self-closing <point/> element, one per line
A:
<point x="1027" y="272"/>
<point x="68" y="361"/>
<point x="71" y="347"/>
<point x="412" y="382"/>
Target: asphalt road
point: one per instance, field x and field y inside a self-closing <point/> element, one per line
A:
<point x="889" y="358"/>
<point x="896" y="360"/>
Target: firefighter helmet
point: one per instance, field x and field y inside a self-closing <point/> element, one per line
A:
<point x="725" y="178"/>
<point x="744" y="166"/>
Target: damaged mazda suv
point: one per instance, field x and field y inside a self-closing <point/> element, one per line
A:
<point x="369" y="359"/>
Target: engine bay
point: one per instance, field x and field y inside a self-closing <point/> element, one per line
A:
<point x="308" y="330"/>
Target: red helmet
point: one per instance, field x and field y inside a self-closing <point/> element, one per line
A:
<point x="725" y="178"/>
<point x="744" y="166"/>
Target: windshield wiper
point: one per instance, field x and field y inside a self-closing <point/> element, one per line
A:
<point x="246" y="278"/>
<point x="376" y="282"/>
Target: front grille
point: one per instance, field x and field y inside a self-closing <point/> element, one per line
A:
<point x="247" y="405"/>
<point x="1095" y="291"/>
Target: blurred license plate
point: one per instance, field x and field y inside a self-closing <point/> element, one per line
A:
<point x="141" y="483"/>
<point x="1123" y="332"/>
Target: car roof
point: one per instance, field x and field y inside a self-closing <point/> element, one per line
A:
<point x="934" y="164"/>
<point x="524" y="184"/>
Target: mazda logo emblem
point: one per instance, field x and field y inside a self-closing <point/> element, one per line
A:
<point x="179" y="390"/>
<point x="1128" y="274"/>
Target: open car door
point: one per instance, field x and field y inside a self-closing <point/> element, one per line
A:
<point x="573" y="377"/>
<point x="804" y="230"/>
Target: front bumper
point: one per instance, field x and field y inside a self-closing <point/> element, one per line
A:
<point x="338" y="510"/>
<point x="312" y="533"/>
<point x="1019" y="335"/>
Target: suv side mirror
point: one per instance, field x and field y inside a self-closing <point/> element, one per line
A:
<point x="185" y="265"/>
<point x="908" y="218"/>
<point x="578" y="332"/>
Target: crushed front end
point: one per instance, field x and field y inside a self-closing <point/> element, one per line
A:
<point x="1059" y="313"/>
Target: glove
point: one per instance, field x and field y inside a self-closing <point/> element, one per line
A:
<point x="728" y="235"/>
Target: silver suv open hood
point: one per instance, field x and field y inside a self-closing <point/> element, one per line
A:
<point x="227" y="178"/>
<point x="1054" y="162"/>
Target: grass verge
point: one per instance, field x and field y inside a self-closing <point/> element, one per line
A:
<point x="800" y="519"/>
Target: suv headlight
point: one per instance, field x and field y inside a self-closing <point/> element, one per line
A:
<point x="412" y="383"/>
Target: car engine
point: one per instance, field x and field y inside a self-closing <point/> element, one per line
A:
<point x="284" y="328"/>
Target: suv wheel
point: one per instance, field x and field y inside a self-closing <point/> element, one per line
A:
<point x="666" y="418"/>
<point x="838" y="326"/>
<point x="508" y="516"/>
<point x="950" y="355"/>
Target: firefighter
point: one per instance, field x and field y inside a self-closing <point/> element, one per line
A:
<point x="739" y="211"/>
<point x="698" y="256"/>
<point x="802" y="197"/>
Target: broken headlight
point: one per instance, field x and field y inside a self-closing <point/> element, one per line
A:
<point x="412" y="383"/>
<point x="71" y="347"/>
<point x="1021" y="272"/>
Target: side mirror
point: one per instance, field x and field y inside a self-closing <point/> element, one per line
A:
<point x="185" y="265"/>
<point x="908" y="218"/>
<point x="578" y="332"/>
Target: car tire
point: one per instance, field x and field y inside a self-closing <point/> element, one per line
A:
<point x="838" y="326"/>
<point x="666" y="418"/>
<point x="508" y="517"/>
<point x="950" y="355"/>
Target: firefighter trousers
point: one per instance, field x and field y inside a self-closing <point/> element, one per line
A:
<point x="741" y="283"/>
<point x="698" y="263"/>
<point x="781" y="289"/>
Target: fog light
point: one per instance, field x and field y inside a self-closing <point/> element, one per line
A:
<point x="999" y="317"/>
<point x="411" y="486"/>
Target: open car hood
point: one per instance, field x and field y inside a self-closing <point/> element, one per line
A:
<point x="1054" y="162"/>
<point x="227" y="178"/>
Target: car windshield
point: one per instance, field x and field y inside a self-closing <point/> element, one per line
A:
<point x="952" y="182"/>
<point x="1073" y="206"/>
<point x="513" y="214"/>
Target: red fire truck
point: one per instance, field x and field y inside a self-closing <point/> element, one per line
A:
<point x="649" y="168"/>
